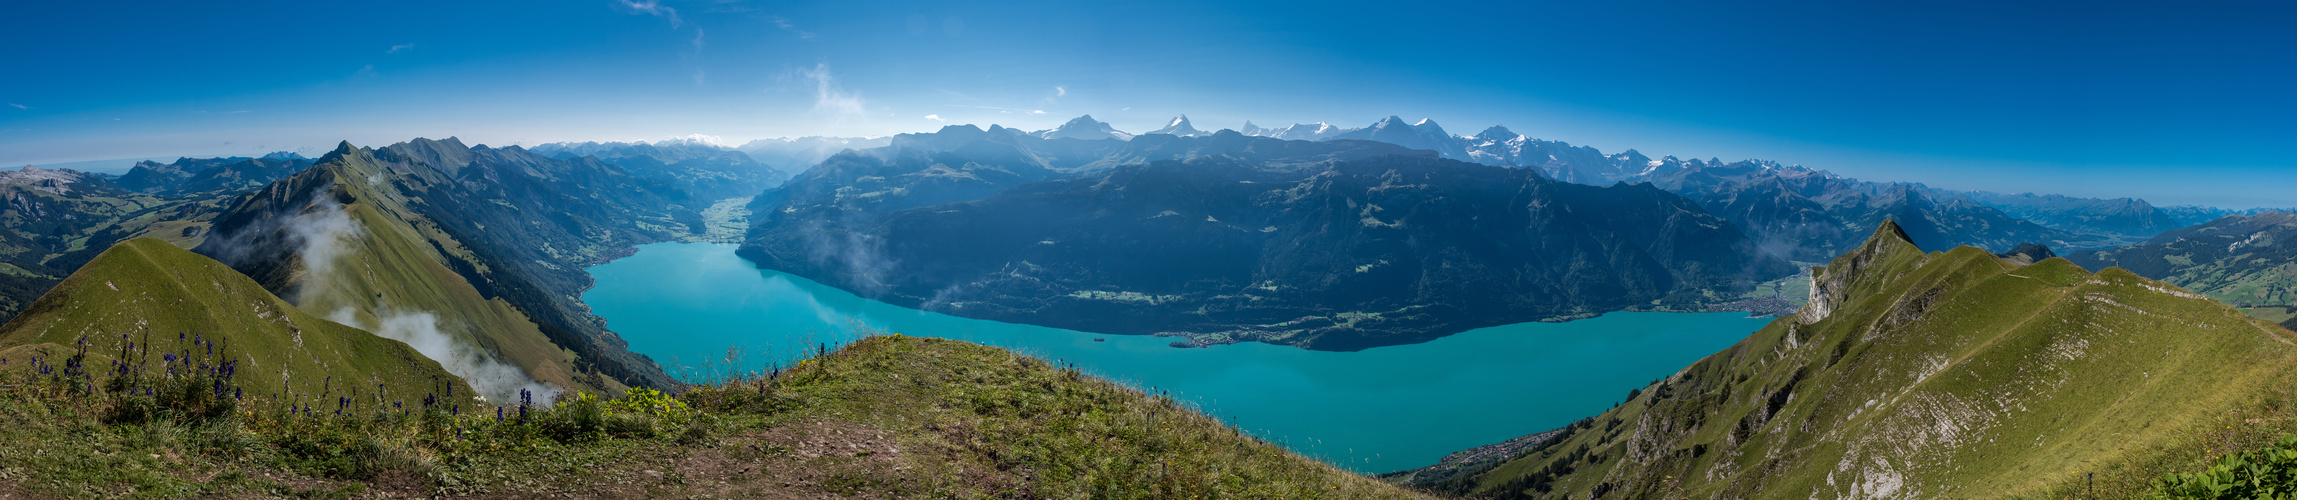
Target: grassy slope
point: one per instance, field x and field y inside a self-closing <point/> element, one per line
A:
<point x="1942" y="374"/>
<point x="889" y="416"/>
<point x="396" y="265"/>
<point x="149" y="287"/>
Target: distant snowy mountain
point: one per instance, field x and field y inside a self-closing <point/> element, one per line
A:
<point x="1084" y="127"/>
<point x="1298" y="132"/>
<point x="1423" y="135"/>
<point x="1180" y="127"/>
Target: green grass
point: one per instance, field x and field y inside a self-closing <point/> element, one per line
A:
<point x="1938" y="374"/>
<point x="144" y="298"/>
<point x="888" y="416"/>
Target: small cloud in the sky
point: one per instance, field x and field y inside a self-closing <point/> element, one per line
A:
<point x="1036" y="111"/>
<point x="786" y="25"/>
<point x="396" y="48"/>
<point x="935" y="118"/>
<point x="1127" y="108"/>
<point x="364" y="73"/>
<point x="1060" y="91"/>
<point x="19" y="106"/>
<point x="829" y="97"/>
<point x="698" y="42"/>
<point x="656" y="9"/>
<point x="701" y="78"/>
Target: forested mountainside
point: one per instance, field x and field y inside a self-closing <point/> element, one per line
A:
<point x="1320" y="245"/>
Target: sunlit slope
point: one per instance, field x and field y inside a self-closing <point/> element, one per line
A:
<point x="152" y="291"/>
<point x="1944" y="374"/>
<point x="344" y="243"/>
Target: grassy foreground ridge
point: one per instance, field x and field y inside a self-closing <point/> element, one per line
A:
<point x="887" y="416"/>
<point x="1940" y="374"/>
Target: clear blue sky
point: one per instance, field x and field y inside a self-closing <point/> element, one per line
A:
<point x="2176" y="102"/>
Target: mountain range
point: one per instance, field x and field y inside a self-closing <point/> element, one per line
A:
<point x="1339" y="245"/>
<point x="704" y="171"/>
<point x="479" y="248"/>
<point x="794" y="155"/>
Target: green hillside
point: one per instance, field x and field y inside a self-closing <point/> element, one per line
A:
<point x="344" y="241"/>
<point x="886" y="417"/>
<point x="1943" y="374"/>
<point x="168" y="300"/>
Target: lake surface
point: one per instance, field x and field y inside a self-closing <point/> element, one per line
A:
<point x="1376" y="410"/>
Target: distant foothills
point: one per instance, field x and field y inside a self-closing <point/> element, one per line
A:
<point x="1313" y="235"/>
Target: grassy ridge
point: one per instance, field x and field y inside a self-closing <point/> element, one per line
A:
<point x="395" y="262"/>
<point x="168" y="300"/>
<point x="888" y="416"/>
<point x="1951" y="373"/>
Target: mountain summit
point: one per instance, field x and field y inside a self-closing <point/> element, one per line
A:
<point x="1084" y="127"/>
<point x="1179" y="127"/>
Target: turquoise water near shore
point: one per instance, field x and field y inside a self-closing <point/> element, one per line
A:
<point x="1376" y="410"/>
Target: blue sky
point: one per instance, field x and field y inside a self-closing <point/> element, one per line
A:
<point x="2183" y="102"/>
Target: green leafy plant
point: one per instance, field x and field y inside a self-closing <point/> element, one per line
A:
<point x="2264" y="473"/>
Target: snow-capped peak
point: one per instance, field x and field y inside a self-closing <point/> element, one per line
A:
<point x="1179" y="127"/>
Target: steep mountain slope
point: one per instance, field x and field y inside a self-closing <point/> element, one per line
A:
<point x="704" y="171"/>
<point x="477" y="251"/>
<point x="1338" y="255"/>
<point x="1912" y="374"/>
<point x="2247" y="261"/>
<point x="150" y="293"/>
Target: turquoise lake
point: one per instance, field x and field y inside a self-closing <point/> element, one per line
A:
<point x="1376" y="410"/>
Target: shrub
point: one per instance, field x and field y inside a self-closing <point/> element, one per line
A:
<point x="2266" y="473"/>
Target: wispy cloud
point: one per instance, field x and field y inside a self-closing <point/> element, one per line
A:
<point x="365" y="73"/>
<point x="1036" y="111"/>
<point x="396" y="48"/>
<point x="831" y="98"/>
<point x="935" y="118"/>
<point x="656" y="9"/>
<point x="786" y="25"/>
<point x="1060" y="91"/>
<point x="19" y="106"/>
<point x="699" y="42"/>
